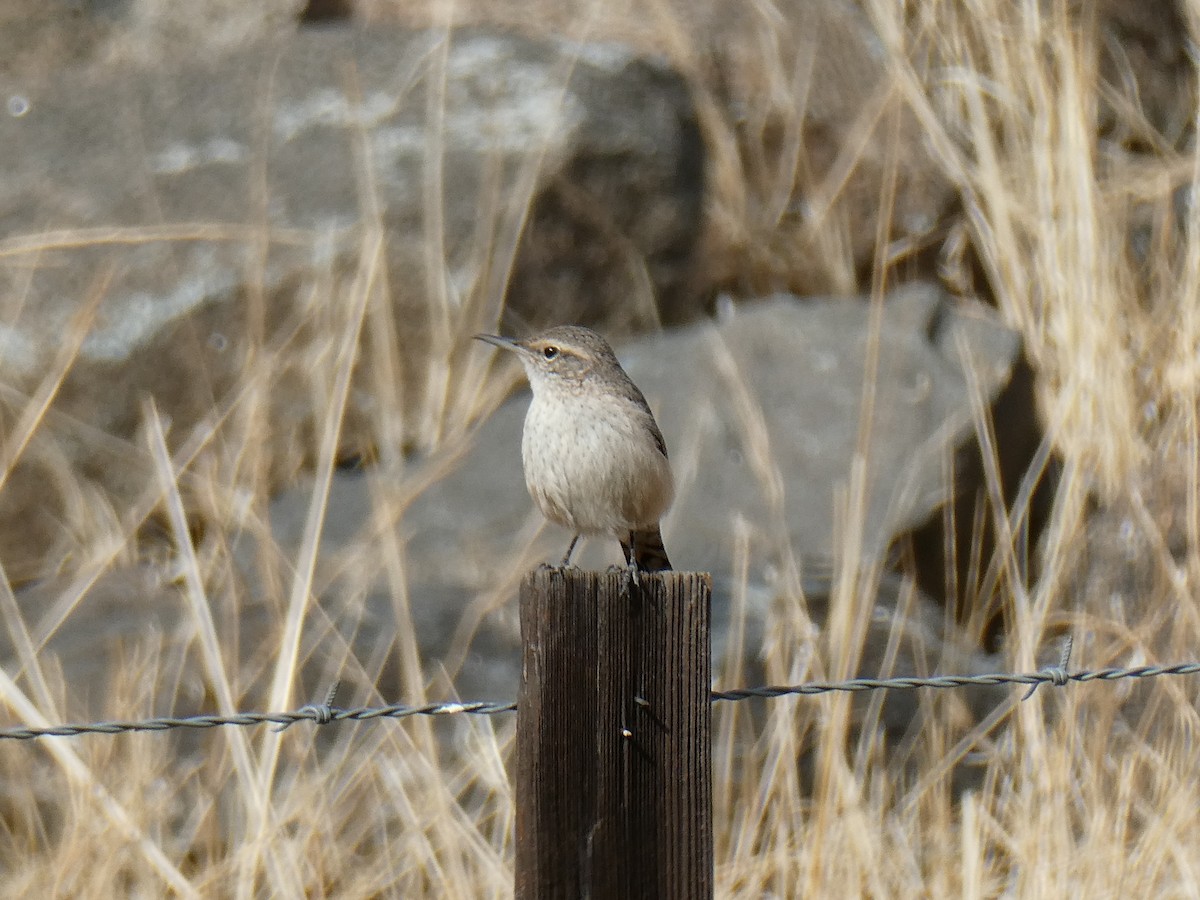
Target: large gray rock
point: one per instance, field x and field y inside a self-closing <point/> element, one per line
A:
<point x="233" y="200"/>
<point x="762" y="413"/>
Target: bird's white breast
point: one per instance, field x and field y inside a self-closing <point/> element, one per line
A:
<point x="592" y="464"/>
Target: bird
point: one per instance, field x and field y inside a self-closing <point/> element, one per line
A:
<point x="594" y="457"/>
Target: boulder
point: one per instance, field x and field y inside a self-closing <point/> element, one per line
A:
<point x="763" y="415"/>
<point x="220" y="211"/>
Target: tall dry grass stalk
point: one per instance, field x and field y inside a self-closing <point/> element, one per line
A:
<point x="1088" y="791"/>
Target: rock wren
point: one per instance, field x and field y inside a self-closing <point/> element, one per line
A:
<point x="595" y="461"/>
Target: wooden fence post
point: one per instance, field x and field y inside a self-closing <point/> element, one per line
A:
<point x="613" y="776"/>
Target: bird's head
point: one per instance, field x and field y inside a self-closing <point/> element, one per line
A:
<point x="565" y="353"/>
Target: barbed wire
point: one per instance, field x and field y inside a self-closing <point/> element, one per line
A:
<point x="954" y="681"/>
<point x="320" y="715"/>
<point x="326" y="713"/>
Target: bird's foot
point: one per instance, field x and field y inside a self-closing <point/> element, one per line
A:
<point x="566" y="560"/>
<point x="631" y="572"/>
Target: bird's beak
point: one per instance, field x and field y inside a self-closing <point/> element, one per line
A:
<point x="502" y="342"/>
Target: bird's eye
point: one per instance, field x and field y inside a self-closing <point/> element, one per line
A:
<point x="550" y="352"/>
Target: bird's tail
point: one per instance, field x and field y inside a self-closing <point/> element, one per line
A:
<point x="648" y="550"/>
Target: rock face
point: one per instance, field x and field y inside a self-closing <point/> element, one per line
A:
<point x="220" y="210"/>
<point x="762" y="413"/>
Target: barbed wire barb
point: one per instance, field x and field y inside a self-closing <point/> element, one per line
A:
<point x="1058" y="674"/>
<point x="321" y="713"/>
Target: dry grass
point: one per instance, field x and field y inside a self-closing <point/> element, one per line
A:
<point x="1083" y="792"/>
